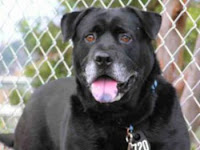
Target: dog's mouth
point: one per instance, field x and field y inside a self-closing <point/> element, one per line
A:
<point x="106" y="89"/>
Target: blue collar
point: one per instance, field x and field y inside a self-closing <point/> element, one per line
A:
<point x="154" y="86"/>
<point x="130" y="129"/>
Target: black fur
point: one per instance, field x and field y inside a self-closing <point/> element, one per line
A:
<point x="63" y="115"/>
<point x="7" y="139"/>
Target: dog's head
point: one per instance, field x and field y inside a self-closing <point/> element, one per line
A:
<point x="112" y="49"/>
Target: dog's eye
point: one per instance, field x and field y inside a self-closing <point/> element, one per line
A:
<point x="124" y="38"/>
<point x="90" y="38"/>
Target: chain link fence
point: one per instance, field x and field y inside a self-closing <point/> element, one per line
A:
<point x="32" y="52"/>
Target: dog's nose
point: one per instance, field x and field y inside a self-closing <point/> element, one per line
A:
<point x="102" y="58"/>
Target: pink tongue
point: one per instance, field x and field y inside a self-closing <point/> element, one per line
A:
<point x="104" y="90"/>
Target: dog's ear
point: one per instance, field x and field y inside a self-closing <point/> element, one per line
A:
<point x="69" y="22"/>
<point x="150" y="20"/>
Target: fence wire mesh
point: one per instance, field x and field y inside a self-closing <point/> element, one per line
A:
<point x="32" y="52"/>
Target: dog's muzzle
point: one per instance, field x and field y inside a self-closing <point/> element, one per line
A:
<point x="108" y="79"/>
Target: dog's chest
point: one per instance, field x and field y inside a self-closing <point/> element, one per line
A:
<point x="123" y="139"/>
<point x="114" y="139"/>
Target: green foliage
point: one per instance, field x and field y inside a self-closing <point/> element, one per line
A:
<point x="15" y="98"/>
<point x="1" y="124"/>
<point x="42" y="40"/>
<point x="47" y="69"/>
<point x="45" y="43"/>
<point x="190" y="39"/>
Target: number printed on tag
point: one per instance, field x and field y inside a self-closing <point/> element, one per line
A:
<point x="141" y="145"/>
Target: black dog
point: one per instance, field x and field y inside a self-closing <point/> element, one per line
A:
<point x="118" y="99"/>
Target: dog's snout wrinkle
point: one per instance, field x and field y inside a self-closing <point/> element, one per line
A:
<point x="102" y="59"/>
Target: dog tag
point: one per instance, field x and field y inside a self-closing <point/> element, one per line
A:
<point x="137" y="141"/>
